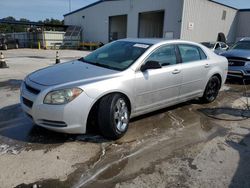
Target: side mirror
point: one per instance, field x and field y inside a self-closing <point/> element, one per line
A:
<point x="150" y="65"/>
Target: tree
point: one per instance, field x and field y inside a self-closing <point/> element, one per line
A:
<point x="10" y="28"/>
<point x="52" y="22"/>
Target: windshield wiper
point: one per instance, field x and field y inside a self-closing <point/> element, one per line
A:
<point x="85" y="61"/>
<point x="103" y="65"/>
<point x="81" y="59"/>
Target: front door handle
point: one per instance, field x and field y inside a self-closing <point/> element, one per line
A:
<point x="207" y="65"/>
<point x="176" y="71"/>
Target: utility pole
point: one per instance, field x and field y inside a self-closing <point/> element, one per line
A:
<point x="69" y="5"/>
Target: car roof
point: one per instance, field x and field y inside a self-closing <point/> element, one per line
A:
<point x="158" y="41"/>
<point x="145" y="40"/>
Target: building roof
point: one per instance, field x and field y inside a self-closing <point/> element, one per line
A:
<point x="100" y="1"/>
<point x="245" y="10"/>
<point x="223" y="4"/>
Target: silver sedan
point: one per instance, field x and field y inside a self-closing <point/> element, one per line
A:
<point x="121" y="80"/>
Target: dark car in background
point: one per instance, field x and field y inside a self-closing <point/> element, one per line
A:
<point x="239" y="59"/>
<point x="7" y="42"/>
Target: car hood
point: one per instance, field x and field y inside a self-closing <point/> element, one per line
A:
<point x="242" y="54"/>
<point x="69" y="72"/>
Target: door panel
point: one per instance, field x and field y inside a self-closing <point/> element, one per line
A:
<point x="194" y="69"/>
<point x="158" y="87"/>
<point x="193" y="75"/>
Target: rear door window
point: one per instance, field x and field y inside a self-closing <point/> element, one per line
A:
<point x="190" y="53"/>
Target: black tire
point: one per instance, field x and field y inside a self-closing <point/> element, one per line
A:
<point x="112" y="121"/>
<point x="5" y="47"/>
<point x="212" y="90"/>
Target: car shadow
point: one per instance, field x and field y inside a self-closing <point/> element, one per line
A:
<point x="15" y="125"/>
<point x="12" y="84"/>
<point x="241" y="177"/>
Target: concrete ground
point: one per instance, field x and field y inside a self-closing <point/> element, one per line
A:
<point x="188" y="145"/>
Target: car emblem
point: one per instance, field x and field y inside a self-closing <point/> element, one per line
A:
<point x="230" y="63"/>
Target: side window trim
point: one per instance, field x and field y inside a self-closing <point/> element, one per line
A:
<point x="197" y="47"/>
<point x="178" y="54"/>
<point x="164" y="45"/>
<point x="202" y="51"/>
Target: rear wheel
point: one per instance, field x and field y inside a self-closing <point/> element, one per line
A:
<point x="113" y="116"/>
<point x="212" y="90"/>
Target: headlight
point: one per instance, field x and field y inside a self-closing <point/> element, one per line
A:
<point x="247" y="63"/>
<point x="62" y="96"/>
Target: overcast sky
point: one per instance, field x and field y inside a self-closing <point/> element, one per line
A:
<point x="35" y="10"/>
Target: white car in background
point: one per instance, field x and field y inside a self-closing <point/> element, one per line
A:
<point x="216" y="47"/>
<point x="121" y="80"/>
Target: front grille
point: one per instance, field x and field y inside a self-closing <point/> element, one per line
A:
<point x="31" y="89"/>
<point x="28" y="115"/>
<point x="52" y="123"/>
<point x="27" y="102"/>
<point x="237" y="74"/>
<point x="236" y="62"/>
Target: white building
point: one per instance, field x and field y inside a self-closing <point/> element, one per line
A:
<point x="195" y="20"/>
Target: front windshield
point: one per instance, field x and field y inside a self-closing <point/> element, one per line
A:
<point x="242" y="45"/>
<point x="117" y="55"/>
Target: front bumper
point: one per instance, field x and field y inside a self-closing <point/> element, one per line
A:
<point x="238" y="72"/>
<point x="68" y="118"/>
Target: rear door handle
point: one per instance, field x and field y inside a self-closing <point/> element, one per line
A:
<point x="207" y="65"/>
<point x="176" y="71"/>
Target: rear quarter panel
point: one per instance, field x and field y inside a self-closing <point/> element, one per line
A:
<point x="218" y="65"/>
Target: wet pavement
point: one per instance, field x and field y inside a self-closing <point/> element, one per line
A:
<point x="187" y="145"/>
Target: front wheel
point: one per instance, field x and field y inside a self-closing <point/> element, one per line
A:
<point x="113" y="116"/>
<point x="212" y="90"/>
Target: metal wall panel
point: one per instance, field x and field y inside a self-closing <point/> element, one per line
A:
<point x="202" y="21"/>
<point x="243" y="27"/>
<point x="95" y="20"/>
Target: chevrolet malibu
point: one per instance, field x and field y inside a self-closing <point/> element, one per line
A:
<point x="119" y="81"/>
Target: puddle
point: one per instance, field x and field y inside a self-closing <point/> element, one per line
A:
<point x="9" y="113"/>
<point x="11" y="84"/>
<point x="226" y="114"/>
<point x="151" y="139"/>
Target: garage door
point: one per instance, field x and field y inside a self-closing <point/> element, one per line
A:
<point x="151" y="24"/>
<point x="117" y="27"/>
